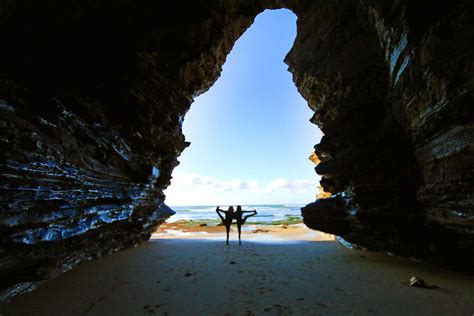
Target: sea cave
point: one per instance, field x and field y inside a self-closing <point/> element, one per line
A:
<point x="92" y="100"/>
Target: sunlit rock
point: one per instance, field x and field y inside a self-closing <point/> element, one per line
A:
<point x="314" y="158"/>
<point x="321" y="193"/>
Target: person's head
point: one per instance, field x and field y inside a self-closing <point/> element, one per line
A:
<point x="239" y="208"/>
<point x="231" y="209"/>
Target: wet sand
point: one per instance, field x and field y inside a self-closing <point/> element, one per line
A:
<point x="270" y="233"/>
<point x="285" y="277"/>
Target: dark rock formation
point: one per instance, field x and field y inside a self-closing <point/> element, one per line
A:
<point x="394" y="100"/>
<point x="93" y="94"/>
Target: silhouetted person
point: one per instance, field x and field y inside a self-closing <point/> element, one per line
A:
<point x="227" y="220"/>
<point x="241" y="220"/>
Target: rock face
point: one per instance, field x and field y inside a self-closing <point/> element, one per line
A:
<point x="392" y="92"/>
<point x="93" y="94"/>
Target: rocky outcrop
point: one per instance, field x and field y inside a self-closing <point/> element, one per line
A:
<point x="93" y="95"/>
<point x="92" y="100"/>
<point x="321" y="194"/>
<point x="314" y="158"/>
<point x="393" y="105"/>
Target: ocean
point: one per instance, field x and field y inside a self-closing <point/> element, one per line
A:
<point x="266" y="214"/>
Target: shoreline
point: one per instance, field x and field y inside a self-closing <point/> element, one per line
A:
<point x="183" y="229"/>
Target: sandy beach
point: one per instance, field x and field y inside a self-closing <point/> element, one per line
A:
<point x="261" y="233"/>
<point x="270" y="276"/>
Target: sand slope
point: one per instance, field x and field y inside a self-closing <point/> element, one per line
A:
<point x="199" y="277"/>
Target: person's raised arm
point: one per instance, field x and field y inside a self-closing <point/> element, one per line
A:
<point x="218" y="210"/>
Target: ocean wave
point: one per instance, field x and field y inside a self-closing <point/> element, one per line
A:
<point x="270" y="214"/>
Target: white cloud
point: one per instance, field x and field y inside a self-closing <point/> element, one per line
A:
<point x="195" y="189"/>
<point x="288" y="185"/>
<point x="199" y="182"/>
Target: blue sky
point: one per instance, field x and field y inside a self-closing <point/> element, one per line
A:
<point x="250" y="132"/>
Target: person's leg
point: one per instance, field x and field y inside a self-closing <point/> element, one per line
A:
<point x="245" y="218"/>
<point x="239" y="228"/>
<point x="227" y="228"/>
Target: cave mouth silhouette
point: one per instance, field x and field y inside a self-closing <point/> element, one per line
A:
<point x="252" y="111"/>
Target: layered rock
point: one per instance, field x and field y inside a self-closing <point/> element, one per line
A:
<point x="393" y="104"/>
<point x="93" y="96"/>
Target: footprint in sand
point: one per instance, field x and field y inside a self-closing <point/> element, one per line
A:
<point x="282" y="310"/>
<point x="149" y="310"/>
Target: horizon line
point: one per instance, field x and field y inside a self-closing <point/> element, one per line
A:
<point x="250" y="204"/>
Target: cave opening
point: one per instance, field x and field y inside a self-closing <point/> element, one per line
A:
<point x="250" y="139"/>
<point x="92" y="100"/>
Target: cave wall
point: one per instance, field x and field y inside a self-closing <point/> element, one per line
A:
<point x="398" y="122"/>
<point x="92" y="98"/>
<point x="93" y="95"/>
